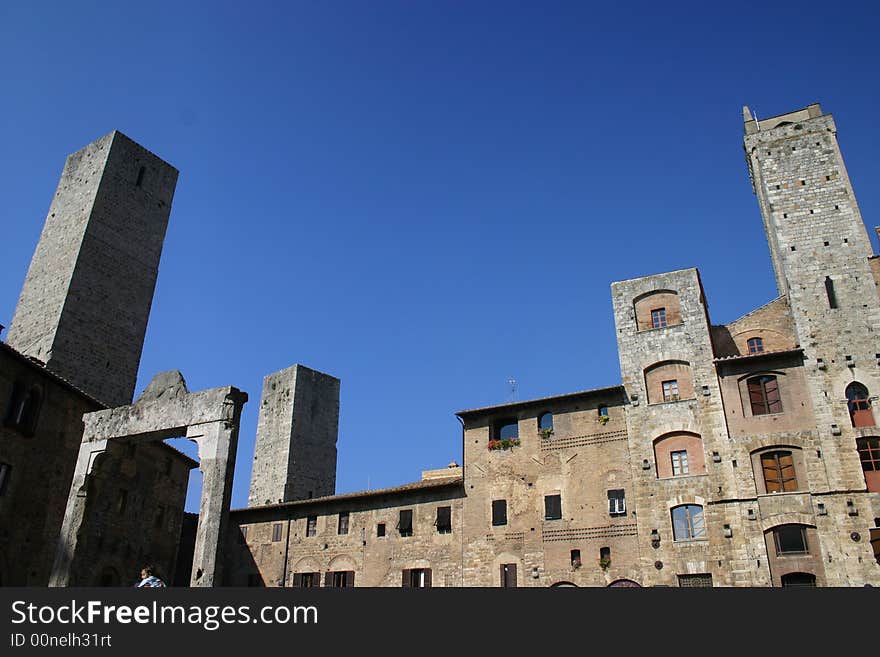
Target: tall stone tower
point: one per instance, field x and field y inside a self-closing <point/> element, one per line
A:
<point x="295" y="451"/>
<point x="820" y="250"/>
<point x="86" y="299"/>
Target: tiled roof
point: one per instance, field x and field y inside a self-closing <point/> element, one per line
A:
<point x="405" y="488"/>
<point x="777" y="352"/>
<point x="541" y="400"/>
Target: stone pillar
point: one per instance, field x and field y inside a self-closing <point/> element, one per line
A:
<point x="73" y="515"/>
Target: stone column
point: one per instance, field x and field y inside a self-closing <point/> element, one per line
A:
<point x="73" y="515"/>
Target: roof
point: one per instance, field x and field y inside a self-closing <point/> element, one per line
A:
<point x="752" y="312"/>
<point x="541" y="400"/>
<point x="405" y="488"/>
<point x="64" y="383"/>
<point x="777" y="352"/>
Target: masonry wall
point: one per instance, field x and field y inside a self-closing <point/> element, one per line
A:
<point x="86" y="299"/>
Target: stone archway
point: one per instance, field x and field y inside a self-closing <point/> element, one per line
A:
<point x="166" y="409"/>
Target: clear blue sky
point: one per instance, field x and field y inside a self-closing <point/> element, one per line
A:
<point x="424" y="199"/>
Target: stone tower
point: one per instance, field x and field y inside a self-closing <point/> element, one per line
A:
<point x="295" y="451"/>
<point x="86" y="299"/>
<point x="820" y="250"/>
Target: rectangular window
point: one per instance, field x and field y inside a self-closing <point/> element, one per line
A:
<point x="343" y="523"/>
<point x="616" y="502"/>
<point x="508" y="575"/>
<point x="5" y="471"/>
<point x="756" y="345"/>
<point x="499" y="512"/>
<point x="764" y="397"/>
<point x="306" y="580"/>
<point x="779" y="474"/>
<point x="311" y="525"/>
<point x="658" y="318"/>
<point x="444" y="519"/>
<point x="552" y="507"/>
<point x="670" y="390"/>
<point x="575" y="558"/>
<point x="416" y="578"/>
<point x="380" y="530"/>
<point x="703" y="580"/>
<point x="688" y="523"/>
<point x="679" y="463"/>
<point x="405" y="523"/>
<point x="339" y="579"/>
<point x="276" y="532"/>
<point x="790" y="539"/>
<point x="829" y="291"/>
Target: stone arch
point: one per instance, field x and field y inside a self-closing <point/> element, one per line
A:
<point x="659" y="374"/>
<point x="772" y="339"/>
<point x="679" y="453"/>
<point x="342" y="562"/>
<point x="665" y="299"/>
<point x="787" y="518"/>
<point x="306" y="565"/>
<point x="623" y="583"/>
<point x="563" y="584"/>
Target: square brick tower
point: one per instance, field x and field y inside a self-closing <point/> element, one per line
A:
<point x="85" y="302"/>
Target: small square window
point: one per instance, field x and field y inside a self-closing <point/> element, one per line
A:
<point x="756" y="345"/>
<point x="380" y="530"/>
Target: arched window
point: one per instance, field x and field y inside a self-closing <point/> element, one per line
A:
<point x="657" y="309"/>
<point x="869" y="455"/>
<point x="778" y="471"/>
<point x="764" y="395"/>
<point x="799" y="580"/>
<point x="688" y="523"/>
<point x="545" y="424"/>
<point x="756" y="345"/>
<point x="860" y="413"/>
<point x="678" y="454"/>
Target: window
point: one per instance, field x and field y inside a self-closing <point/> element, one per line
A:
<point x="508" y="575"/>
<point x="444" y="519"/>
<point x="552" y="507"/>
<point x="499" y="512"/>
<point x="405" y="524"/>
<point x="339" y="579"/>
<point x="5" y="472"/>
<point x="670" y="390"/>
<point x="416" y="578"/>
<point x="869" y="455"/>
<point x="829" y="291"/>
<point x="575" y="558"/>
<point x="799" y="580"/>
<point x="658" y="317"/>
<point x="616" y="502"/>
<point x="380" y="530"/>
<point x="679" y="463"/>
<point x="343" y="523"/>
<point x="24" y="407"/>
<point x="306" y="580"/>
<point x="756" y="345"/>
<point x="790" y="539"/>
<point x="311" y="525"/>
<point x="121" y="502"/>
<point x="703" y="580"/>
<point x="545" y="421"/>
<point x="603" y="411"/>
<point x="860" y="413"/>
<point x="507" y="430"/>
<point x="778" y="471"/>
<point x="764" y="395"/>
<point x="688" y="523"/>
<point x="276" y="532"/>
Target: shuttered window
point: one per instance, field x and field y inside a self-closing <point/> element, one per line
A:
<point x="764" y="395"/>
<point x="339" y="579"/>
<point x="416" y="578"/>
<point x="276" y="532"/>
<point x="405" y="524"/>
<point x="779" y="473"/>
<point x="444" y="519"/>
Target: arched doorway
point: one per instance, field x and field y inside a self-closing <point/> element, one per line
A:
<point x="799" y="580"/>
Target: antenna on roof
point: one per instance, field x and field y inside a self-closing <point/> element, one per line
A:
<point x="512" y="383"/>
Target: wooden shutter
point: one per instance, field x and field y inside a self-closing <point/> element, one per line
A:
<point x="328" y="578"/>
<point x="756" y="397"/>
<point x="297" y="580"/>
<point x="771" y="390"/>
<point x="508" y="575"/>
<point x="406" y="582"/>
<point x="349" y="578"/>
<point x="427" y="578"/>
<point x="553" y="507"/>
<point x="499" y="512"/>
<point x="772" y="478"/>
<point x="786" y="471"/>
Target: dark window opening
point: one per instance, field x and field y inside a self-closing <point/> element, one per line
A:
<point x="342" y="527"/>
<point x="756" y="345"/>
<point x="790" y="539"/>
<point x="380" y="530"/>
<point x="603" y="411"/>
<point x="311" y="525"/>
<point x="444" y="519"/>
<point x="140" y="177"/>
<point x="764" y="395"/>
<point x="508" y="575"/>
<point x="799" y="580"/>
<point x="339" y="579"/>
<point x="703" y="580"/>
<point x="552" y="507"/>
<point x="616" y="502"/>
<point x="24" y="408"/>
<point x="859" y="403"/>
<point x="778" y="471"/>
<point x="405" y="522"/>
<point x="499" y="512"/>
<point x="829" y="291"/>
<point x="276" y="532"/>
<point x="575" y="558"/>
<point x="306" y="580"/>
<point x="416" y="578"/>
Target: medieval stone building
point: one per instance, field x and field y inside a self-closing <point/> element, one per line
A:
<point x="744" y="454"/>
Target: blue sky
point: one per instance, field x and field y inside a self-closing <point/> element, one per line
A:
<point x="424" y="199"/>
